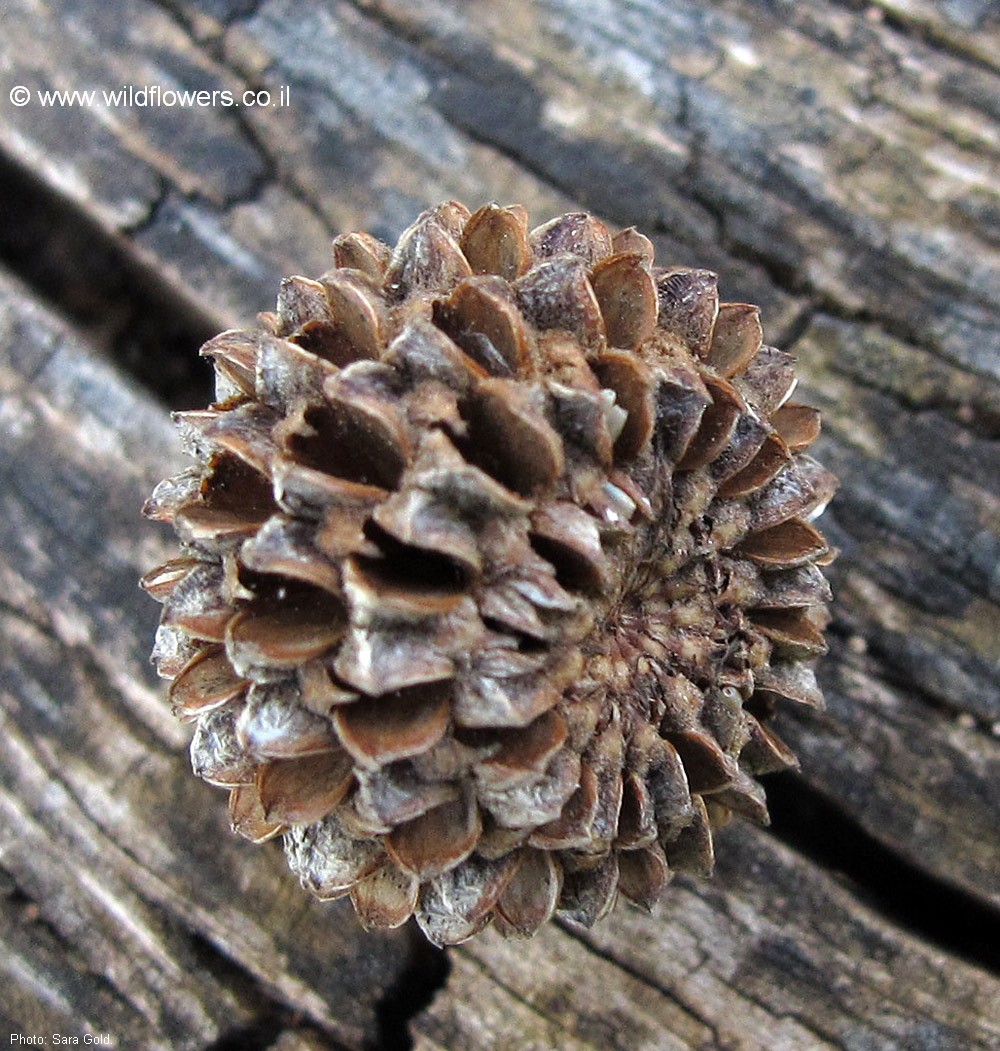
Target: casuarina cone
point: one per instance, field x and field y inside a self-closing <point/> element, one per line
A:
<point x="496" y="563"/>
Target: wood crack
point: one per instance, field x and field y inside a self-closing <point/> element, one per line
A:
<point x="43" y="930"/>
<point x="927" y="33"/>
<point x="690" y="1006"/>
<point x="132" y="314"/>
<point x="424" y="977"/>
<point x="811" y="823"/>
<point x="274" y="173"/>
<point x="515" y="994"/>
<point x="271" y="1014"/>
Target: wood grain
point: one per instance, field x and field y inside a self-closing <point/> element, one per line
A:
<point x="773" y="953"/>
<point x="130" y="905"/>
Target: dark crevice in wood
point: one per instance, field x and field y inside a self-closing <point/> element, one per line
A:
<point x="787" y="337"/>
<point x="916" y="28"/>
<point x="415" y="989"/>
<point x="213" y="46"/>
<point x="272" y="1017"/>
<point x="29" y="911"/>
<point x="573" y="168"/>
<point x="257" y="1037"/>
<point x="465" y="85"/>
<point x="928" y="908"/>
<point x="47" y="936"/>
<point x="93" y="279"/>
<point x="228" y="12"/>
<point x="266" y="1033"/>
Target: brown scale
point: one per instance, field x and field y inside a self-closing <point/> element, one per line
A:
<point x="498" y="566"/>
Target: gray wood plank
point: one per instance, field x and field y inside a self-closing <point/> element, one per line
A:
<point x="146" y="915"/>
<point x="772" y="954"/>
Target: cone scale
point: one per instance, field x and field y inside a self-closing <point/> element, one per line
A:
<point x="497" y="559"/>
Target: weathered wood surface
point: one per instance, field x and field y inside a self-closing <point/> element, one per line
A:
<point x="838" y="163"/>
<point x="129" y="907"/>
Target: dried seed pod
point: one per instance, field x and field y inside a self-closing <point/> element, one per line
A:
<point x="498" y="560"/>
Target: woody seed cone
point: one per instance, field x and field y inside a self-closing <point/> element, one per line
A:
<point x="496" y="562"/>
